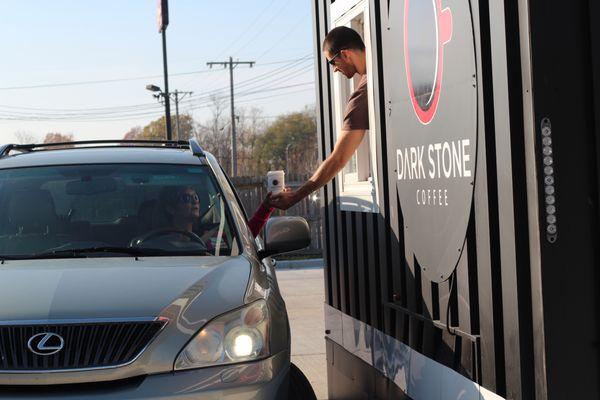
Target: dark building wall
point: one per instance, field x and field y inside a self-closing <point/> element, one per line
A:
<point x="505" y="315"/>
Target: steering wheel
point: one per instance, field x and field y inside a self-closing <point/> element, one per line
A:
<point x="161" y="232"/>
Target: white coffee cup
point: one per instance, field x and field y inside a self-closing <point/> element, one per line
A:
<point x="275" y="181"/>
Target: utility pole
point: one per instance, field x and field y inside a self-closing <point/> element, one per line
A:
<point x="160" y="95"/>
<point x="232" y="64"/>
<point x="167" y="102"/>
<point x="177" y="93"/>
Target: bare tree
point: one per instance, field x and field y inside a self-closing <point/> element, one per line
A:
<point x="133" y="134"/>
<point x="24" y="137"/>
<point x="55" y="137"/>
<point x="250" y="125"/>
<point x="214" y="134"/>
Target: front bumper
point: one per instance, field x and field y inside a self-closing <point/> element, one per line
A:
<point x="266" y="379"/>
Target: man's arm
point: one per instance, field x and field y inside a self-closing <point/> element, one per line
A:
<point x="343" y="150"/>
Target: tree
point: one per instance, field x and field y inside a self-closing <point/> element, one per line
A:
<point x="55" y="137"/>
<point x="291" y="140"/>
<point x="213" y="134"/>
<point x="289" y="143"/>
<point x="156" y="130"/>
<point x="187" y="127"/>
<point x="250" y="125"/>
<point x="24" y="137"/>
<point x="133" y="134"/>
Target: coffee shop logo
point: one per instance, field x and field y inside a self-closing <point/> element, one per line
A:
<point x="427" y="29"/>
<point x="436" y="151"/>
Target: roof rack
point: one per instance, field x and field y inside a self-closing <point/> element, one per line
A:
<point x="5" y="149"/>
<point x="196" y="148"/>
<point x="192" y="144"/>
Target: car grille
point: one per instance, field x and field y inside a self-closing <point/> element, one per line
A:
<point x="86" y="345"/>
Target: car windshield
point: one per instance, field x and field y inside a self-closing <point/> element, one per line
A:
<point x="113" y="209"/>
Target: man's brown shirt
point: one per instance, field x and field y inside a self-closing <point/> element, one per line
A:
<point x="356" y="116"/>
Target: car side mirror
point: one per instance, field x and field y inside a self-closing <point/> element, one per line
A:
<point x="285" y="234"/>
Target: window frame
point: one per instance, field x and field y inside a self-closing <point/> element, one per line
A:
<point x="359" y="196"/>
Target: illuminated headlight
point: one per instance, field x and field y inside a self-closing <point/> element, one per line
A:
<point x="238" y="336"/>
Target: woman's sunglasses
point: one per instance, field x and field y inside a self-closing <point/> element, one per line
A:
<point x="189" y="198"/>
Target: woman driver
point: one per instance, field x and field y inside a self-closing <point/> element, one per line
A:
<point x="183" y="208"/>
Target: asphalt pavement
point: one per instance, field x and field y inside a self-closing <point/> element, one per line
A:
<point x="303" y="291"/>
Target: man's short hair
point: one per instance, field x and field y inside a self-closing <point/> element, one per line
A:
<point x="341" y="38"/>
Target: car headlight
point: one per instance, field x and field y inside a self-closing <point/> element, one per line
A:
<point x="240" y="335"/>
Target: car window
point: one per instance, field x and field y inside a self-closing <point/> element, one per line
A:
<point x="170" y="209"/>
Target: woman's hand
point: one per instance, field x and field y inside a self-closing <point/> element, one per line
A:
<point x="268" y="201"/>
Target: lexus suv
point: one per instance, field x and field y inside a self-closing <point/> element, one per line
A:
<point x="128" y="271"/>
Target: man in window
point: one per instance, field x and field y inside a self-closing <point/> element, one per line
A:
<point x="345" y="52"/>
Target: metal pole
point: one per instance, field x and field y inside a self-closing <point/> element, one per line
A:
<point x="287" y="148"/>
<point x="177" y="114"/>
<point x="233" y="133"/>
<point x="231" y="64"/>
<point x="166" y="94"/>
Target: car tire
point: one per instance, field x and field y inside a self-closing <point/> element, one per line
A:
<point x="300" y="388"/>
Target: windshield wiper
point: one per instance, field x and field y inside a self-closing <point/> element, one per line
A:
<point x="132" y="251"/>
<point x="81" y="252"/>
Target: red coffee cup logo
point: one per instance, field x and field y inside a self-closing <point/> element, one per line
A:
<point x="427" y="28"/>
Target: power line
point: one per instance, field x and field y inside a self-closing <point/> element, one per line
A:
<point x="259" y="84"/>
<point x="243" y="33"/>
<point x="281" y="39"/>
<point x="287" y="67"/>
<point x="158" y="113"/>
<point x="128" y="111"/>
<point x="207" y="99"/>
<point x="245" y="45"/>
<point x="99" y="81"/>
<point x="290" y="68"/>
<point x="249" y="93"/>
<point x="277" y="95"/>
<point x="291" y="71"/>
<point x="115" y="80"/>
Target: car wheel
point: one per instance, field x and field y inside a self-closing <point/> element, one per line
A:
<point x="300" y="388"/>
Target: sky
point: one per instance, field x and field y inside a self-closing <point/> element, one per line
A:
<point x="81" y="66"/>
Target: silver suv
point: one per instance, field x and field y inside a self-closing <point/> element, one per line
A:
<point x="128" y="272"/>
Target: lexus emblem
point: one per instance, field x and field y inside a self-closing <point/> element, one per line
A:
<point x="45" y="344"/>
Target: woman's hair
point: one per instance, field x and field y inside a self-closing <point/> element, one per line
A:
<point x="341" y="38"/>
<point x="169" y="197"/>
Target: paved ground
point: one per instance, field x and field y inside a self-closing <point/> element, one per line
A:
<point x="304" y="296"/>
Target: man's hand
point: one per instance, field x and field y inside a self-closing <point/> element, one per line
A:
<point x="284" y="200"/>
<point x="345" y="147"/>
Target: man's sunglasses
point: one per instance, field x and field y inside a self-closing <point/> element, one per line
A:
<point x="189" y="198"/>
<point x="332" y="61"/>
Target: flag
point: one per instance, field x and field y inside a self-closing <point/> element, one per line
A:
<point x="162" y="15"/>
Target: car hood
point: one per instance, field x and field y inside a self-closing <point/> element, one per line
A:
<point x="90" y="288"/>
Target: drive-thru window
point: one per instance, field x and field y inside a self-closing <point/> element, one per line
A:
<point x="358" y="180"/>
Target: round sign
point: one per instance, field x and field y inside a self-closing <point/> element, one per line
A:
<point x="435" y="131"/>
<point x="424" y="41"/>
